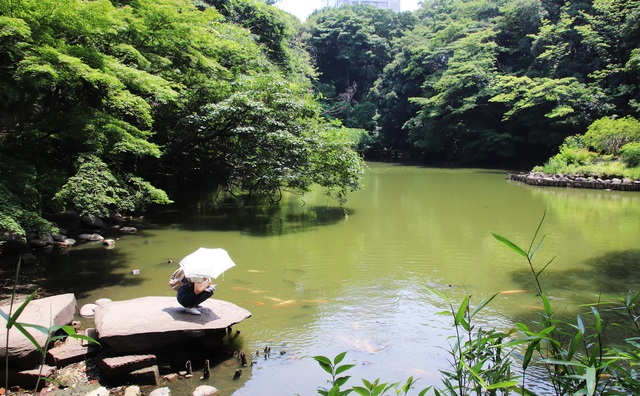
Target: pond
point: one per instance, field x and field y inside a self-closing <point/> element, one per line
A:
<point x="320" y="279"/>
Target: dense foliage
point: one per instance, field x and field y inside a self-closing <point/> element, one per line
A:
<point x="483" y="81"/>
<point x="108" y="104"/>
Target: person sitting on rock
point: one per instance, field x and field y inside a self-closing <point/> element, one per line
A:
<point x="192" y="294"/>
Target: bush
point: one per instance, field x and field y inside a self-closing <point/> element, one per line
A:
<point x="576" y="156"/>
<point x="608" y="135"/>
<point x="630" y="154"/>
<point x="575" y="141"/>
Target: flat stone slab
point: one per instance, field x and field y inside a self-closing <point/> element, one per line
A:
<point x="148" y="323"/>
<point x="47" y="312"/>
<point x="117" y="366"/>
<point x="67" y="354"/>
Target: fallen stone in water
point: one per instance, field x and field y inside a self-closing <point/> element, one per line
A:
<point x="88" y="310"/>
<point x="102" y="301"/>
<point x="160" y="392"/>
<point x="205" y="390"/>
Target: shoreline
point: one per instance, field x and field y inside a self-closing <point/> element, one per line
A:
<point x="575" y="181"/>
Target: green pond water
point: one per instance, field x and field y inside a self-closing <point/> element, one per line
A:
<point x="320" y="279"/>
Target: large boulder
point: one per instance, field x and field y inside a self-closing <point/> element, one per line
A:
<point x="149" y="323"/>
<point x="69" y="220"/>
<point x="49" y="311"/>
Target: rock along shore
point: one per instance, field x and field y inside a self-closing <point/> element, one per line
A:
<point x="575" y="181"/>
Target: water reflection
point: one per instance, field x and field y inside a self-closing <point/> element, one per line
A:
<point x="214" y="213"/>
<point x="85" y="270"/>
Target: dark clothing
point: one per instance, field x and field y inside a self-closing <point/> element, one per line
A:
<point x="188" y="298"/>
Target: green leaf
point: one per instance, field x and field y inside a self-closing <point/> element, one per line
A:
<point x="343" y="368"/>
<point x="439" y="294"/>
<point x="575" y="343"/>
<point x="408" y="385"/>
<point x="40" y="328"/>
<point x="341" y="380"/>
<point x="326" y="367"/>
<point x="28" y="335"/>
<point x="19" y="311"/>
<point x="322" y="359"/>
<point x="462" y="310"/>
<point x="424" y="391"/>
<point x="535" y="235"/>
<point x="598" y="319"/>
<point x="335" y="391"/>
<point x="510" y="244"/>
<point x="591" y="380"/>
<point x="580" y="323"/>
<point x="85" y="338"/>
<point x="529" y="353"/>
<point x="505" y="384"/>
<point x="361" y="391"/>
<point x="339" y="358"/>
<point x="482" y="304"/>
<point x="547" y="304"/>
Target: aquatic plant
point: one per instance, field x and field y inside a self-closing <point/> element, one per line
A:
<point x="369" y="388"/>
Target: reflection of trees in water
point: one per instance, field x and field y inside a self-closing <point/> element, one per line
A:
<point x="258" y="218"/>
<point x="83" y="270"/>
<point x="590" y="211"/>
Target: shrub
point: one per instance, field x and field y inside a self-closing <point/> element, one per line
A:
<point x="630" y="154"/>
<point x="608" y="135"/>
<point x="574" y="155"/>
<point x="575" y="141"/>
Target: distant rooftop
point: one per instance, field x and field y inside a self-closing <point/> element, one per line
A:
<point x="388" y="4"/>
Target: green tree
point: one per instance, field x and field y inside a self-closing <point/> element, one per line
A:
<point x="95" y="93"/>
<point x="351" y="46"/>
<point x="266" y="136"/>
<point x="453" y="122"/>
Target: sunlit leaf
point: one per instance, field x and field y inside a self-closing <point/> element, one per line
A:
<point x="510" y="244"/>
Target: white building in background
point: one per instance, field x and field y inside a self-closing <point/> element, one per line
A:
<point x="389" y="4"/>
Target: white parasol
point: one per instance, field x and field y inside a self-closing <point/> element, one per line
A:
<point x="206" y="263"/>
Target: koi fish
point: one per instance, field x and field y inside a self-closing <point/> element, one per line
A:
<point x="513" y="291"/>
<point x="285" y="303"/>
<point x="363" y="345"/>
<point x="415" y="371"/>
<point x="534" y="308"/>
<point x="259" y="303"/>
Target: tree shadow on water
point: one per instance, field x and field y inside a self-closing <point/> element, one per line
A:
<point x="613" y="272"/>
<point x="600" y="280"/>
<point x="84" y="270"/>
<point x="256" y="219"/>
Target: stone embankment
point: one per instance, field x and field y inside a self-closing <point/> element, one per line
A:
<point x="575" y="181"/>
